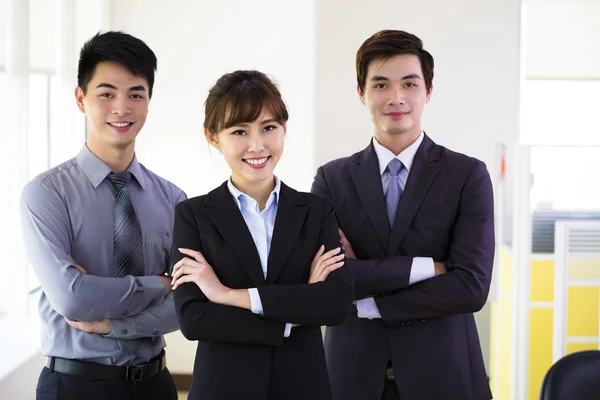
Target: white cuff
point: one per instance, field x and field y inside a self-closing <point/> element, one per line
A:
<point x="422" y="268"/>
<point x="367" y="308"/>
<point x="255" y="302"/>
<point x="288" y="330"/>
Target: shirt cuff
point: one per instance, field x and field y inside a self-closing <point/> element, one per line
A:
<point x="122" y="328"/>
<point x="255" y="302"/>
<point x="288" y="330"/>
<point x="422" y="268"/>
<point x="152" y="287"/>
<point x="367" y="308"/>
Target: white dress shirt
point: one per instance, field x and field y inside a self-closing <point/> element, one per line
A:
<point x="422" y="267"/>
<point x="260" y="224"/>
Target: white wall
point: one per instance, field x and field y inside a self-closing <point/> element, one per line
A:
<point x="204" y="40"/>
<point x="22" y="382"/>
<point x="561" y="39"/>
<point x="475" y="45"/>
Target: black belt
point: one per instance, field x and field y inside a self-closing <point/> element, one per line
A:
<point x="92" y="371"/>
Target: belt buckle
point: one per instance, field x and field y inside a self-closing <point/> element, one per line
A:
<point x="135" y="373"/>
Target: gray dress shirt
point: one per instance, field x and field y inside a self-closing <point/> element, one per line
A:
<point x="69" y="211"/>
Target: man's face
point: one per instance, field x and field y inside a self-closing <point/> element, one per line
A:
<point x="395" y="95"/>
<point x="115" y="104"/>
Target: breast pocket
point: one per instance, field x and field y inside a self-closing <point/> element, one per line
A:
<point x="157" y="252"/>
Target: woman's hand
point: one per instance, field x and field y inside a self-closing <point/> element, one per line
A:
<point x="196" y="269"/>
<point x="324" y="264"/>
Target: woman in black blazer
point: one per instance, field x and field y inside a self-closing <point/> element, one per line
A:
<point x="258" y="266"/>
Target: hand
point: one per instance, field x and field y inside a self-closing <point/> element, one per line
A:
<point x="167" y="282"/>
<point x="324" y="264"/>
<point x="102" y="327"/>
<point x="347" y="246"/>
<point x="440" y="268"/>
<point x="77" y="266"/>
<point x="199" y="271"/>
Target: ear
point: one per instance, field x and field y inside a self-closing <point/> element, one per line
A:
<point x="212" y="139"/>
<point x="360" y="94"/>
<point x="429" y="94"/>
<point x="79" y="99"/>
<point x="284" y="128"/>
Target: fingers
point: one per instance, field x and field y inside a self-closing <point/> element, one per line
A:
<point x="182" y="280"/>
<point x="78" y="267"/>
<point x="194" y="254"/>
<point x="329" y="269"/>
<point x="318" y="255"/>
<point x="182" y="262"/>
<point x="185" y="270"/>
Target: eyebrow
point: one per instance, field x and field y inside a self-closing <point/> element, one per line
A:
<point x="131" y="89"/>
<point x="266" y="121"/>
<point x="378" y="78"/>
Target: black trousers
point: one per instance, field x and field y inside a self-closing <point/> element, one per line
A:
<point x="57" y="386"/>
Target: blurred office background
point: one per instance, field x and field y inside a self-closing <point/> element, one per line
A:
<point x="516" y="85"/>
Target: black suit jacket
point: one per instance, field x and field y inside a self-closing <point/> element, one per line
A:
<point x="427" y="329"/>
<point x="241" y="355"/>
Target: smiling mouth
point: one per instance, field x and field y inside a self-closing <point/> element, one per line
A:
<point x="120" y="124"/>
<point x="256" y="161"/>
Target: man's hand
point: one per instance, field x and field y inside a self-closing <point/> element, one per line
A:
<point x="440" y="268"/>
<point x="347" y="246"/>
<point x="102" y="327"/>
<point x="167" y="282"/>
<point x="77" y="266"/>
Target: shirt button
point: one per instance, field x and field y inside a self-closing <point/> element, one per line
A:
<point x="156" y="333"/>
<point x="125" y="331"/>
<point x="369" y="309"/>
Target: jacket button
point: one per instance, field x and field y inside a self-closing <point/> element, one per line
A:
<point x="125" y="331"/>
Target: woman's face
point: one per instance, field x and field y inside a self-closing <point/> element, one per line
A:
<point x="253" y="149"/>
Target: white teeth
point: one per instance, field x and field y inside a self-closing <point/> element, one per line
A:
<point x="120" y="124"/>
<point x="257" y="161"/>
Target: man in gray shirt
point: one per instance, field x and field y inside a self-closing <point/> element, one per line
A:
<point x="98" y="234"/>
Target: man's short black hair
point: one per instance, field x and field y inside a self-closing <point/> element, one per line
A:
<point x="119" y="47"/>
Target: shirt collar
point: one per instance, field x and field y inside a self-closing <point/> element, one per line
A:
<point x="240" y="197"/>
<point x="384" y="155"/>
<point x="96" y="170"/>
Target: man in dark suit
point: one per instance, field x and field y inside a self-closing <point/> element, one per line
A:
<point x="418" y="220"/>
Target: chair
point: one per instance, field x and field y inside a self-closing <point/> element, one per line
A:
<point x="573" y="377"/>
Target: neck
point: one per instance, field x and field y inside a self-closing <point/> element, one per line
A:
<point x="259" y="191"/>
<point x="397" y="143"/>
<point x="117" y="158"/>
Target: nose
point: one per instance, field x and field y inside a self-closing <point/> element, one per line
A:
<point x="121" y="107"/>
<point x="255" y="142"/>
<point x="396" y="97"/>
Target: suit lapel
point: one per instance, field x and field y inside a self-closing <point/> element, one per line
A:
<point x="227" y="218"/>
<point x="423" y="171"/>
<point x="291" y="212"/>
<point x="367" y="181"/>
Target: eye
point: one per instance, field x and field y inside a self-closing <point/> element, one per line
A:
<point x="380" y="86"/>
<point x="270" y="128"/>
<point x="137" y="96"/>
<point x="107" y="95"/>
<point x="238" y="132"/>
<point x="411" y="84"/>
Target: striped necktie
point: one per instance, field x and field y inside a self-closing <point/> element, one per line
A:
<point x="127" y="246"/>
